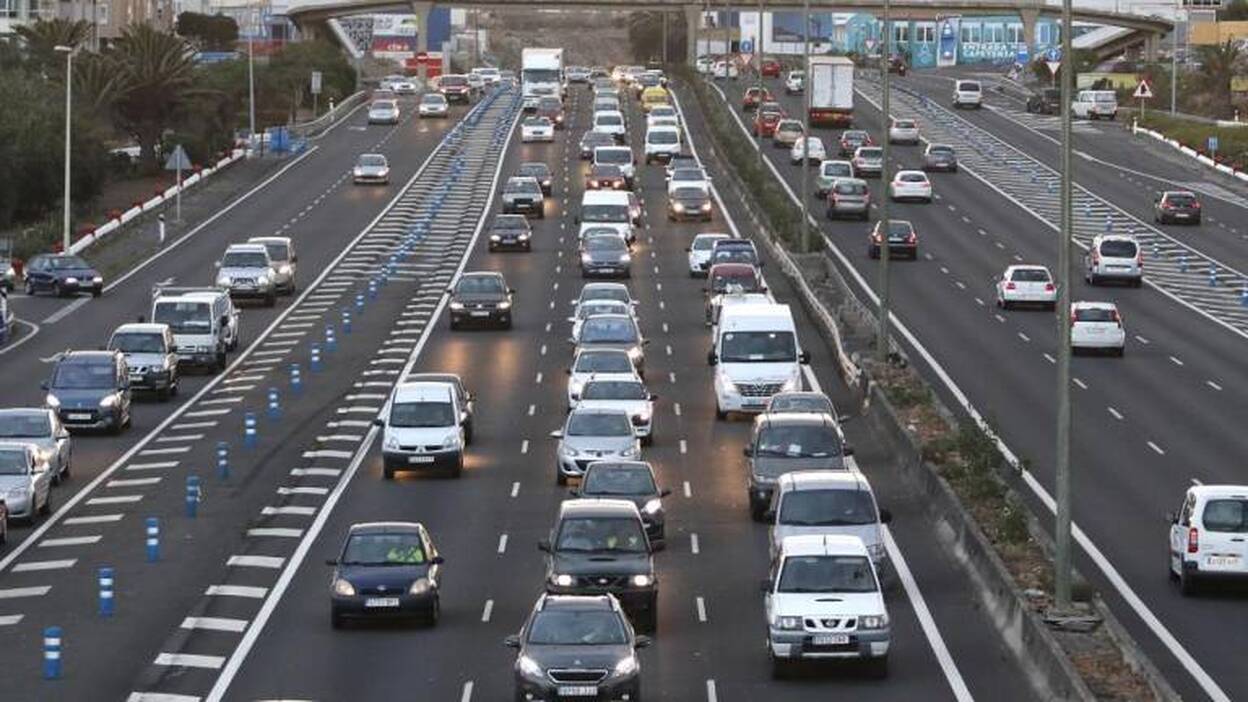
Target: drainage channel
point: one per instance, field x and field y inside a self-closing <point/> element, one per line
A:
<point x="1183" y="273"/>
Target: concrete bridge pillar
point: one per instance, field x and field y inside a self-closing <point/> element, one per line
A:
<point x="422" y="9"/>
<point x="1029" y="17"/>
<point x="693" y="17"/>
<point x="1151" y="43"/>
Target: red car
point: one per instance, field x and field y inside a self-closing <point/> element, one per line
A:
<point x="770" y="68"/>
<point x="768" y="116"/>
<point x="754" y="97"/>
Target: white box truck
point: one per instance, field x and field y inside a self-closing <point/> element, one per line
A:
<point x="541" y="74"/>
<point x="831" y="91"/>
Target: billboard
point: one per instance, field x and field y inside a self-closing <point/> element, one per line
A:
<point x="394" y="37"/>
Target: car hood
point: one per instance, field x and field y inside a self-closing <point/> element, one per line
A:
<point x="88" y="398"/>
<point x="599" y="444"/>
<point x="522" y="196"/>
<point x="8" y="482"/>
<point x="605" y="256"/>
<point x="775" y="466"/>
<point x="79" y="273"/>
<point x="800" y="604"/>
<point x="423" y="436"/>
<point x="397" y="578"/>
<point x="573" y="656"/>
<point x="245" y="272"/>
<point x="601" y="563"/>
<point x="507" y="233"/>
<point x="760" y="372"/>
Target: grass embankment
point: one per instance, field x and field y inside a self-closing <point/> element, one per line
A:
<point x="1232" y="141"/>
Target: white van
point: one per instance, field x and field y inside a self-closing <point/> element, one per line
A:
<point x="1095" y="104"/>
<point x="755" y="355"/>
<point x="606" y="209"/>
<point x="424" y="429"/>
<point x="204" y="323"/>
<point x="662" y="143"/>
<point x="1209" y="536"/>
<point x="610" y="122"/>
<point x="968" y="93"/>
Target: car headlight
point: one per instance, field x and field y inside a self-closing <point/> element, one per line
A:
<point x="223" y="281"/>
<point x="529" y="667"/>
<point x="546" y="183"/>
<point x="358" y="172"/>
<point x="523" y="236"/>
<point x="789" y="623"/>
<point x="99" y="279"/>
<point x="451" y="441"/>
<point x="71" y="281"/>
<point x="495" y="237"/>
<point x="625" y="258"/>
<point x="569" y="451"/>
<point x="630" y="452"/>
<point x="642" y="580"/>
<point x="391" y="442"/>
<point x="504" y="305"/>
<point x="677" y="207"/>
<point x="563" y="580"/>
<point x="873" y="621"/>
<point x="52" y="401"/>
<point x="419" y="586"/>
<point x="653" y="506"/>
<point x="627" y="666"/>
<point x="285" y="269"/>
<point x="108" y="401"/>
<point x="457" y="305"/>
<point x="574" y="388"/>
<point x="706" y="207"/>
<point x="344" y="588"/>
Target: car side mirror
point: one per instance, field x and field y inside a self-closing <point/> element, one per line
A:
<point x="543" y="546"/>
<point x="437" y="560"/>
<point x="845" y="418"/>
<point x="654" y="396"/>
<point x="572" y="341"/>
<point x="711" y="358"/>
<point x="886" y="516"/>
<point x="688" y="249"/>
<point x="764" y="586"/>
<point x="512" y="641"/>
<point x="574" y="492"/>
<point x="747" y="452"/>
<point x="556" y="434"/>
<point x="1172" y="517"/>
<point x="43" y="385"/>
<point x="642" y="641"/>
<point x="379" y="422"/>
<point x="463" y="417"/>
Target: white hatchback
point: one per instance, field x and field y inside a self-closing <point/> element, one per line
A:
<point x="1209" y="536"/>
<point x="610" y="122"/>
<point x="700" y="253"/>
<point x="1026" y="285"/>
<point x="904" y="131"/>
<point x="1097" y="326"/>
<point x="815" y="151"/>
<point x="629" y="395"/>
<point x="910" y="185"/>
<point x="537" y="129"/>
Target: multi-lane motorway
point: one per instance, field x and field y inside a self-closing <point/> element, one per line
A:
<point x="1146" y="426"/>
<point x="237" y="605"/>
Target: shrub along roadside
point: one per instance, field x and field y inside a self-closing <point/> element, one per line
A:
<point x="1232" y="141"/>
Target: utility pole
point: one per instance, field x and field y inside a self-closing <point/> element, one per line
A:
<point x="251" y="76"/>
<point x="69" y="82"/>
<point x="1174" y="59"/>
<point x="476" y="39"/>
<point x="882" y="334"/>
<point x="665" y="15"/>
<point x="759" y="136"/>
<point x="1061" y="578"/>
<point x="806" y="128"/>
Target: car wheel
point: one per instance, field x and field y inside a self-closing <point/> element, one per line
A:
<point x="29" y="287"/>
<point x="100" y="291"/>
<point x="757" y="511"/>
<point x="47" y="505"/>
<point x="434" y="613"/>
<point x="1137" y="282"/>
<point x="560" y="478"/>
<point x="454" y="324"/>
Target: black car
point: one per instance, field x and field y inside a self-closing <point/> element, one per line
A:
<point x="62" y="274"/>
<point x="629" y="480"/>
<point x="551" y="108"/>
<point x="1175" y="206"/>
<point x="523" y="195"/>
<point x="605" y="176"/>
<point x="481" y="297"/>
<point x="90" y="390"/>
<point x="1045" y="102"/>
<point x="784" y="442"/>
<point x="689" y="203"/>
<point x="386" y="569"/>
<point x="605" y="255"/>
<point x="600" y="547"/>
<point x="734" y="251"/>
<point x="510" y="231"/>
<point x="538" y="170"/>
<point x="580" y="648"/>
<point x="593" y="140"/>
<point x="902" y="240"/>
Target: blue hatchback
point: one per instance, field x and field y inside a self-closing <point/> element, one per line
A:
<point x="62" y="274"/>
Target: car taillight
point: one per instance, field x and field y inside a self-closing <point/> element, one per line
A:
<point x="1117" y="319"/>
<point x="1010" y="286"/>
<point x="1048" y="287"/>
<point x="1096" y="258"/>
<point x="1193" y="540"/>
<point x="1167" y="206"/>
<point x="1195" y="205"/>
<point x="1139" y="259"/>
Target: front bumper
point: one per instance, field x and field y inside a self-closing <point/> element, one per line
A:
<point x="510" y="243"/>
<point x="688" y="214"/>
<point x="19" y="507"/>
<point x="574" y="467"/>
<point x="790" y="645"/>
<point x="100" y="418"/>
<point x="606" y="269"/>
<point x="187" y="357"/>
<point x="151" y="380"/>
<point x="365" y="179"/>
<point x="448" y="459"/>
<point x="730" y="400"/>
<point x="356" y="606"/>
<point x="481" y="316"/>
<point x="537" y="136"/>
<point x="251" y="292"/>
<point x="624" y="689"/>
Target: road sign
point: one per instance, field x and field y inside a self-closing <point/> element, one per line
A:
<point x="1022" y="56"/>
<point x="1212" y="144"/>
<point x="1053" y="66"/>
<point x="747" y="46"/>
<point x="178" y="160"/>
<point x="1053" y="55"/>
<point x="316" y="82"/>
<point x="870" y="44"/>
<point x="1143" y="91"/>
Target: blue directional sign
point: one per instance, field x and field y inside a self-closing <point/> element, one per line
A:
<point x="1213" y="144"/>
<point x="1053" y="55"/>
<point x="747" y="46"/>
<point x="1023" y="55"/>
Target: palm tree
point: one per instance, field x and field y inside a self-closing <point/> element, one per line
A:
<point x="1218" y="65"/>
<point x="43" y="36"/>
<point x="154" y="75"/>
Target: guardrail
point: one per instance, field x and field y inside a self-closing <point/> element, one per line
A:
<point x="313" y="127"/>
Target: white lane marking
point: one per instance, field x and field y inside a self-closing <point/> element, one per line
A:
<point x="467" y="694"/>
<point x="15" y="592"/>
<point x="1213" y="385"/>
<point x="711" y="696"/>
<point x="97" y="519"/>
<point x="160" y="697"/>
<point x="676" y="408"/>
<point x="193" y="425"/>
<point x="999" y="317"/>
<point x="671" y="378"/>
<point x="189" y="660"/>
<point x="11" y="619"/>
<point x="1024" y="337"/>
<point x="1176" y="361"/>
<point x="352" y="438"/>
<point x="245" y="591"/>
<point x="1050" y="358"/>
<point x="688" y="489"/>
<point x="684" y="448"/>
<point x="1156" y="448"/>
<point x="274" y="533"/>
<point x="502" y="543"/>
<point x="487" y="611"/>
<point x="165" y="451"/>
<point x="207" y="413"/>
<point x="1116" y="414"/>
<point x="215" y="624"/>
<point x="934" y="638"/>
<point x="302" y="491"/>
<point x="532" y="409"/>
<point x="288" y="509"/>
<point x="132" y="482"/>
<point x="538" y="380"/>
<point x="65" y="311"/>
<point x="59" y="564"/>
<point x="1196" y="482"/>
<point x="542" y="351"/>
<point x="70" y="541"/>
<point x="694" y="547"/>
<point x="515" y="488"/>
<point x="524" y="446"/>
<point x="34" y="329"/>
<point x="327" y="453"/>
<point x="1141" y="339"/>
<point x="1080" y="383"/>
<point x="118" y="500"/>
<point x="272" y="562"/>
<point x="322" y="472"/>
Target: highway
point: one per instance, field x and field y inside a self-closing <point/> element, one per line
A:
<point x="1145" y="426"/>
<point x="237" y="606"/>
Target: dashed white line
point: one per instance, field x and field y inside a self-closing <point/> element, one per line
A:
<point x="1115" y="413"/>
<point x="515" y="488"/>
<point x="116" y="500"/>
<point x="215" y="624"/>
<point x="532" y="409"/>
<point x="684" y="448"/>
<point x="539" y="378"/>
<point x="95" y="519"/>
<point x="1024" y="337"/>
<point x="188" y="660"/>
<point x="132" y="482"/>
<point x="502" y="544"/>
<point x="16" y="592"/>
<point x="676" y="408"/>
<point x="711" y="696"/>
<point x="1176" y="361"/>
<point x="694" y="547"/>
<point x="271" y="562"/>
<point x="487" y="611"/>
<point x="467" y="694"/>
<point x="701" y="605"/>
<point x="524" y="446"/>
<point x="688" y="489"/>
<point x="1158" y="449"/>
<point x="1213" y="385"/>
<point x="59" y="564"/>
<point x="274" y="532"/>
<point x="70" y="541"/>
<point x="1080" y="383"/>
<point x="246" y="591"/>
<point x="1050" y="358"/>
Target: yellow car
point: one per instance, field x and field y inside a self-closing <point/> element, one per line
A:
<point x="650" y="97"/>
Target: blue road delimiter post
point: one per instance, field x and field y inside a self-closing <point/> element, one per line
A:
<point x="314" y="357"/>
<point x="223" y="460"/>
<point x="331" y="339"/>
<point x="296" y="379"/>
<point x="346" y="321"/>
<point x="153" y="539"/>
<point x="106" y="591"/>
<point x="52" y="653"/>
<point x="192" y="496"/>
<point x="275" y="405"/>
<point x="250" y="436"/>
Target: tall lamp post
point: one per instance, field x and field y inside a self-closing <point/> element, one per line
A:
<point x="1062" y="562"/>
<point x="881" y="340"/>
<point x="806" y="127"/>
<point x="251" y="76"/>
<point x="69" y="83"/>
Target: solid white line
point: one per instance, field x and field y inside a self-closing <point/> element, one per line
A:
<point x="1117" y="415"/>
<point x="70" y="541"/>
<point x="64" y="311"/>
<point x="302" y="491"/>
<point x="515" y="488"/>
<point x="160" y="697"/>
<point x="1156" y="448"/>
<point x="1213" y="385"/>
<point x="215" y="624"/>
<point x="14" y="592"/>
<point x="524" y="446"/>
<point x="930" y="630"/>
<point x="247" y="591"/>
<point x="98" y="519"/>
<point x="684" y="448"/>
<point x="467" y="695"/>
<point x="710" y="692"/>
<point x="693" y="542"/>
<point x="323" y="472"/>
<point x="60" y="564"/>
<point x="489" y="609"/>
<point x="188" y="660"/>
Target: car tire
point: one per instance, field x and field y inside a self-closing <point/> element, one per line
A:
<point x="1187" y="584"/>
<point x="387" y="472"/>
<point x="757" y="511"/>
<point x="434" y="613"/>
<point x="47" y="505"/>
<point x="873" y="252"/>
<point x="162" y="394"/>
<point x="29" y="287"/>
<point x="100" y="291"/>
<point x="220" y="365"/>
<point x="560" y="478"/>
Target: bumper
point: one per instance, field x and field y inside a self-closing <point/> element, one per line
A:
<point x="89" y="418"/>
<point x="1106" y="273"/>
<point x="609" y="690"/>
<point x="367" y="179"/>
<point x="731" y="401"/>
<point x="635" y="601"/>
<point x="606" y="269"/>
<point x="356" y="607"/>
<point x="847" y="211"/>
<point x="20" y="507"/>
<point x="912" y="194"/>
<point x="940" y="165"/>
<point x="196" y="358"/>
<point x="1192" y="569"/>
<point x="450" y="459"/>
<point x="790" y="645"/>
<point x="251" y="293"/>
<point x="157" y="380"/>
<point x="897" y="251"/>
<point x="494" y="316"/>
<point x="1100" y="341"/>
<point x="433" y="113"/>
<point x="522" y="244"/>
<point x="660" y="156"/>
<point x="686" y="215"/>
<point x="538" y="136"/>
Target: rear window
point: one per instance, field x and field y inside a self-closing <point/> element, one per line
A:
<point x="1106" y="97"/>
<point x="1030" y="275"/>
<point x="843" y="188"/>
<point x="1181" y="199"/>
<point x="1094" y="314"/>
<point x="1117" y="248"/>
<point x="904" y="124"/>
<point x="1229" y="515"/>
<point x="968" y="86"/>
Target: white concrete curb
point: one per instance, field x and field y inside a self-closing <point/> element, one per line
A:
<point x="1189" y="151"/>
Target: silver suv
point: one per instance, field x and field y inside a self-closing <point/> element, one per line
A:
<point x="246" y="271"/>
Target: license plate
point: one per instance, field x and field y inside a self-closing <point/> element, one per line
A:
<point x="578" y="690"/>
<point x="381" y="602"/>
<point x="1222" y="561"/>
<point x="1182" y="215"/>
<point x="830" y="639"/>
<point x="79" y="416"/>
<point x="420" y="459"/>
<point x="480" y="314"/>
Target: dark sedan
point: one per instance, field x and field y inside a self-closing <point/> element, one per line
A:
<point x="689" y="203"/>
<point x="940" y="157"/>
<point x="605" y="255"/>
<point x="902" y="240"/>
<point x="538" y="171"/>
<point x="593" y="140"/>
<point x="605" y="176"/>
<point x="62" y="274"/>
<point x="633" y="481"/>
<point x="552" y="109"/>
<point x="1174" y="206"/>
<point x="481" y="297"/>
<point x="510" y="231"/>
<point x="386" y="569"/>
<point x="1045" y="102"/>
<point x="852" y="139"/>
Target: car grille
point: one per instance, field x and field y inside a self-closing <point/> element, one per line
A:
<point x="576" y="676"/>
<point x="73" y="414"/>
<point x="758" y="389"/>
<point x="604" y="582"/>
<point x="838" y="624"/>
<point x="418" y="448"/>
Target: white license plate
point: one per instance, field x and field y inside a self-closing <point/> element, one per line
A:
<point x="830" y="639"/>
<point x="480" y="314"/>
<point x="578" y="690"/>
<point x="79" y="416"/>
<point x="381" y="602"/>
<point x="420" y="459"/>
<point x="1182" y="215"/>
<point x="1222" y="561"/>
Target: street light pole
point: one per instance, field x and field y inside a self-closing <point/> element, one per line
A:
<point x="759" y="135"/>
<point x="1174" y="61"/>
<point x="882" y="334"/>
<point x="69" y="82"/>
<point x="806" y="128"/>
<point x="1062" y="564"/>
<point x="251" y="76"/>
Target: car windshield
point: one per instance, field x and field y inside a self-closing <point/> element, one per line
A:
<point x="904" y="124"/>
<point x="599" y="424"/>
<point x="372" y="160"/>
<point x="601" y="534"/>
<point x="277" y="252"/>
<point x="138" y="343"/>
<point x="540" y="75"/>
<point x="616" y="156"/>
<point x="606" y="243"/>
<point x="85" y="376"/>
<point x="686" y="193"/>
<point x="618" y="480"/>
<point x="61" y="263"/>
<point x="422" y="414"/>
<point x="577" y="628"/>
<point x="687" y="174"/>
<point x="1181" y="199"/>
<point x="432" y="99"/>
<point x="661" y="136"/>
<point x="745" y="280"/>
<point x="806" y="440"/>
<point x="733" y="255"/>
<point x="608" y="120"/>
<point x="399" y="549"/>
<point x="511" y="222"/>
<point x="843" y="188"/>
<point x="1226" y="515"/>
<point x="609" y="330"/>
<point x="183" y="317"/>
<point x="13" y="462"/>
<point x="1117" y="248"/>
<point x="603" y="362"/>
<point x="827" y="574"/>
<point x="758" y="347"/>
<point x="704" y="243"/>
<point x="25" y="426"/>
<point x="839" y="169"/>
<point x="534" y="170"/>
<point x="244" y="259"/>
<point x="522" y="185"/>
<point x="1094" y="314"/>
<point x="800" y="403"/>
<point x="477" y="284"/>
<point x="1030" y="275"/>
<point x="870" y="152"/>
<point x="827" y="508"/>
<point x="605" y="213"/>
<point x="614" y="390"/>
<point x="383" y="105"/>
<point x="453" y="81"/>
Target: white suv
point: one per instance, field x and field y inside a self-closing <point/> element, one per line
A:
<point x="1209" y="536"/>
<point x="662" y="143"/>
<point x="968" y="93"/>
<point x="823" y="602"/>
<point x="1114" y="257"/>
<point x="424" y="429"/>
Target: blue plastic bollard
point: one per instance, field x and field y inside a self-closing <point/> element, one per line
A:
<point x="153" y="539"/>
<point x="346" y="321"/>
<point x="372" y="288"/>
<point x="1213" y="276"/>
<point x="1243" y="295"/>
<point x="106" y="591"/>
<point x="331" y="339"/>
<point x="1183" y="262"/>
<point x="314" y="358"/>
<point x="250" y="435"/>
<point x="275" y="405"/>
<point x="1109" y="223"/>
<point x="296" y="379"/>
<point x="223" y="460"/>
<point x="193" y="496"/>
<point x="359" y="302"/>
<point x="52" y="653"/>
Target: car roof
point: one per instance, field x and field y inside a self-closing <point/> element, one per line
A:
<point x="798" y="480"/>
<point x="247" y="248"/>
<point x="822" y="545"/>
<point x="89" y="357"/>
<point x="1026" y="267"/>
<point x="423" y="390"/>
<point x="141" y="328"/>
<point x="577" y="602"/>
<point x="436" y="378"/>
<point x="796" y="418"/>
<point x="1208" y="491"/>
<point x="23" y="411"/>
<point x="598" y="507"/>
<point x="384" y="527"/>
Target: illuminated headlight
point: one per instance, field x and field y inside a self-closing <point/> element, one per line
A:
<point x="523" y="236"/>
<point x="285" y="269"/>
<point x="495" y="237"/>
<point x="677" y="207"/>
<point x="344" y="588"/>
<point x="586" y="258"/>
<point x="457" y="305"/>
<point x="789" y="623"/>
<point x="451" y="441"/>
<point x="706" y="207"/>
<point x="223" y="281"/>
<point x="627" y="666"/>
<point x="419" y="587"/>
<point x="529" y="667"/>
<point x="383" y="173"/>
<point x="108" y="401"/>
<point x="873" y="621"/>
<point x="71" y="281"/>
<point x="52" y="401"/>
<point x="546" y="183"/>
<point x="630" y="452"/>
<point x="504" y="305"/>
<point x="98" y="279"/>
<point x="625" y="258"/>
<point x="391" y="442"/>
<point x="653" y="506"/>
<point x="358" y="172"/>
<point x="562" y="580"/>
<point x="569" y="451"/>
<point x="641" y="580"/>
<point x="634" y="354"/>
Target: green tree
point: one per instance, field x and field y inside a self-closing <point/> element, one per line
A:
<point x="1234" y="11"/>
<point x="645" y="35"/>
<point x="1219" y="64"/>
<point x="289" y="73"/>
<point x="210" y="32"/>
<point x="43" y="36"/>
